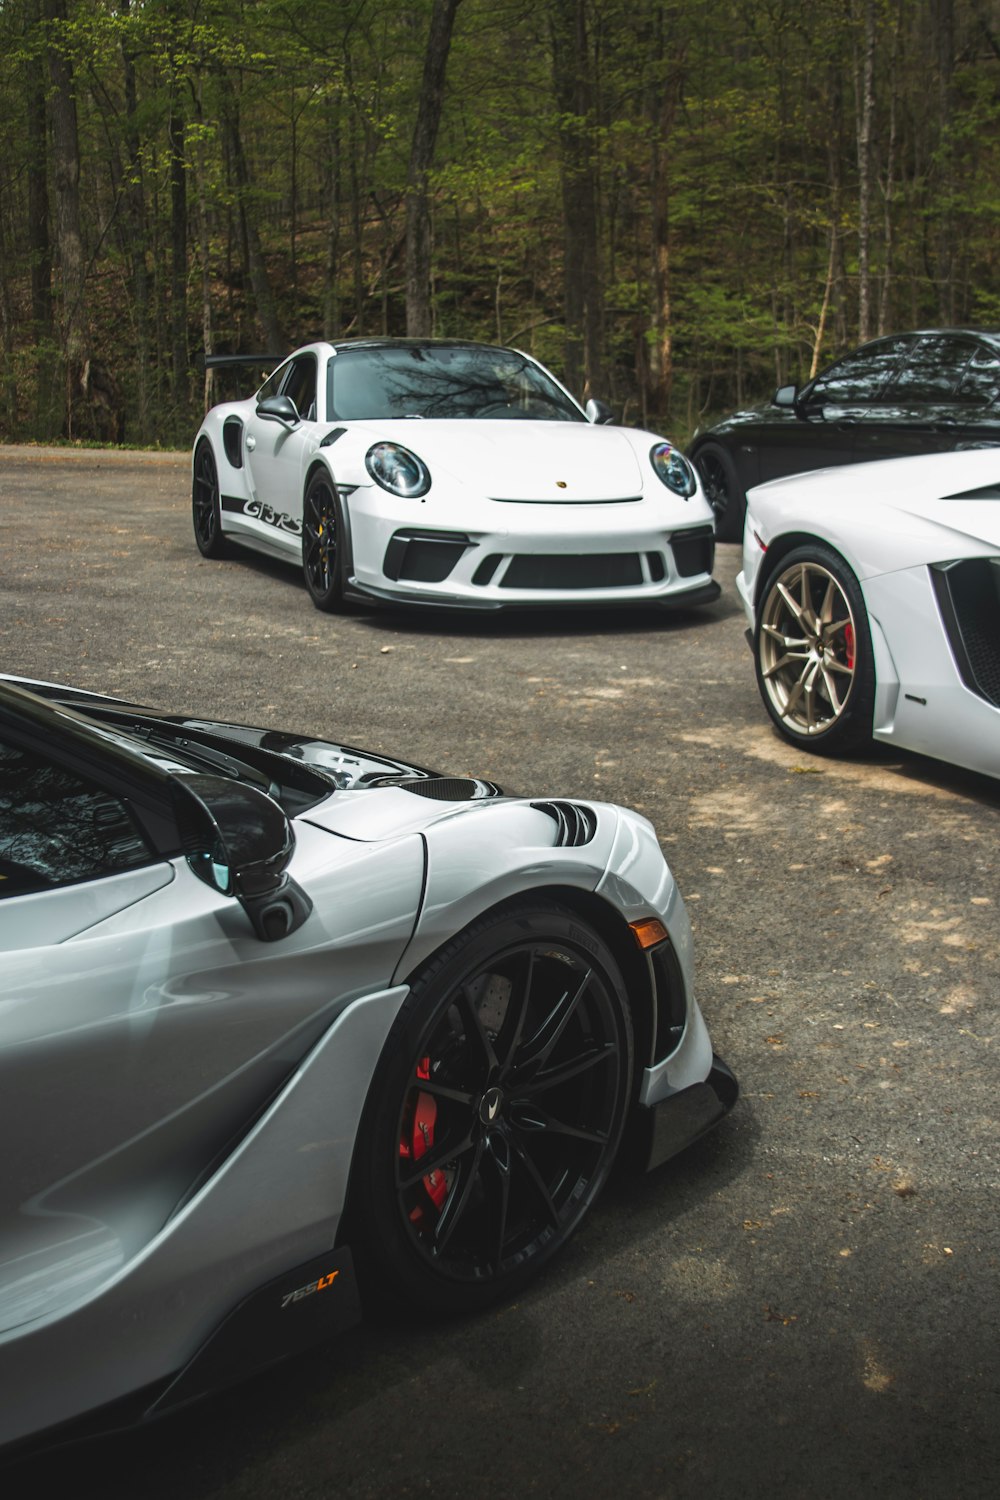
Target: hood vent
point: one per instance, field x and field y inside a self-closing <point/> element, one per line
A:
<point x="442" y="788"/>
<point x="575" y="824"/>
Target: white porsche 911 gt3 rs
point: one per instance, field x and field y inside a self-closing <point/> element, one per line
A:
<point x="455" y="474"/>
<point x="873" y="596"/>
<point x="274" y="1011"/>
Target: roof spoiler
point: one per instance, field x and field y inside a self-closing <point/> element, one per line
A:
<point x="216" y="361"/>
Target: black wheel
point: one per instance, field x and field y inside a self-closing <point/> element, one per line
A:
<point x="813" y="652"/>
<point x="206" y="505"/>
<point x="324" y="544"/>
<point x="496" y="1111"/>
<point x="722" y="491"/>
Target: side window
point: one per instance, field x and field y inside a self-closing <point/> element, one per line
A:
<point x="860" y="376"/>
<point x="981" y="381"/>
<point x="56" y="828"/>
<point x="272" y="385"/>
<point x="932" y="372"/>
<point x="300" y="384"/>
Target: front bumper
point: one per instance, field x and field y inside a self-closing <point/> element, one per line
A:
<point x="678" y="598"/>
<point x="493" y="555"/>
<point x="678" y="1120"/>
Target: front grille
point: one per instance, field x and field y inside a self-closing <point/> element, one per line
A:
<point x="575" y="825"/>
<point x="576" y="571"/>
<point x="968" y="595"/>
<point x="423" y="557"/>
<point x="694" y="551"/>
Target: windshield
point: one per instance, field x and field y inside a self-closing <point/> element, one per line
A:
<point x="443" y="381"/>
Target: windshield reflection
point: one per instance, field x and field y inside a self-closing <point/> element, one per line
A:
<point x="434" y="381"/>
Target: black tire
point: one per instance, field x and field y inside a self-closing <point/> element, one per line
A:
<point x="324" y="544"/>
<point x="509" y="1072"/>
<point x="813" y="652"/>
<point x="206" y="503"/>
<point x="722" y="491"/>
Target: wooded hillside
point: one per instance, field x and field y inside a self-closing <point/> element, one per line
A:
<point x="677" y="204"/>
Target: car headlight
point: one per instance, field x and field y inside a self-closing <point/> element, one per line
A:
<point x="398" y="470"/>
<point x="673" y="469"/>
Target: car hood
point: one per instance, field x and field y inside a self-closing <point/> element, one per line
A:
<point x="957" y="493"/>
<point x="541" y="462"/>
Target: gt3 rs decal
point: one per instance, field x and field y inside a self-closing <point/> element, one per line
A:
<point x="261" y="511"/>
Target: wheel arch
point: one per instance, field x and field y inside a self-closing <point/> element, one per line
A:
<point x="781" y="546"/>
<point x="612" y="928"/>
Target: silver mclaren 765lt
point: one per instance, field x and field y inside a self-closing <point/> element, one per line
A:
<point x="284" y="1025"/>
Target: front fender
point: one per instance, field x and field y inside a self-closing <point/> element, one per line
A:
<point x="492" y="854"/>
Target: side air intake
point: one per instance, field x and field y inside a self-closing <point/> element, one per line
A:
<point x="575" y="825"/>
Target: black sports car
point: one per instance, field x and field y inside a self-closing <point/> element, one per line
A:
<point x="924" y="392"/>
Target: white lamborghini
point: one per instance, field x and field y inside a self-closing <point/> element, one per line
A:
<point x="455" y="474"/>
<point x="873" y="596"/>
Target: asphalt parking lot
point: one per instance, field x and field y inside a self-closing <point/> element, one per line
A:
<point x="805" y="1303"/>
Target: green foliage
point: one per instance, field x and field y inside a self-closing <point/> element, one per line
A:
<point x="721" y="137"/>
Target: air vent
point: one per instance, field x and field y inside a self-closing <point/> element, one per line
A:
<point x="575" y="824"/>
<point x="442" y="788"/>
<point x="232" y="441"/>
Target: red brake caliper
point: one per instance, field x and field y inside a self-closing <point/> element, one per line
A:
<point x="418" y="1138"/>
<point x="849" y="644"/>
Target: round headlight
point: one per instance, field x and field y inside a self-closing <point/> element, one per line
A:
<point x="398" y="470"/>
<point x="673" y="469"/>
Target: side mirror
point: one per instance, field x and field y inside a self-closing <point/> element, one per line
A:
<point x="279" y="409"/>
<point x="599" y="412"/>
<point x="786" y="395"/>
<point x="240" y="843"/>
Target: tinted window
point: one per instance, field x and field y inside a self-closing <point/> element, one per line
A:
<point x="272" y="385"/>
<point x="860" y="376"/>
<point x="57" y="828"/>
<point x="981" y="381"/>
<point x="432" y="381"/>
<point x="932" y="372"/>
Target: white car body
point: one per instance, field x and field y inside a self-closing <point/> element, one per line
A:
<point x="922" y="538"/>
<point x="521" y="511"/>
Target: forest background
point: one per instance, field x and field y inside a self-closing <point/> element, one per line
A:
<point x="676" y="204"/>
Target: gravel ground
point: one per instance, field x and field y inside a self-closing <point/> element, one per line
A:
<point x="804" y="1303"/>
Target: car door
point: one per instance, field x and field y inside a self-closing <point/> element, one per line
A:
<point x="141" y="1028"/>
<point x="277" y="453"/>
<point x="830" y="412"/>
<point x="922" y="409"/>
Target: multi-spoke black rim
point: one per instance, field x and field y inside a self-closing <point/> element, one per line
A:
<point x="205" y="497"/>
<point x="319" y="533"/>
<point x="511" y="1114"/>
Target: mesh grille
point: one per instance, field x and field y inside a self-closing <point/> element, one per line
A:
<point x="576" y="571"/>
<point x="973" y="623"/>
<point x="443" y="788"/>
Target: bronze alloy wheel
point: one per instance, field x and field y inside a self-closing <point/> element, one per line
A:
<point x="813" y="652"/>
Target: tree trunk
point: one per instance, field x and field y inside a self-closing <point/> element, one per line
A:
<point x="419" y="312"/>
<point x="178" y="254"/>
<point x="39" y="245"/>
<point x="583" y="291"/>
<point x="866" y="112"/>
<point x="66" y="181"/>
<point x="257" y="270"/>
<point x="135" y="249"/>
